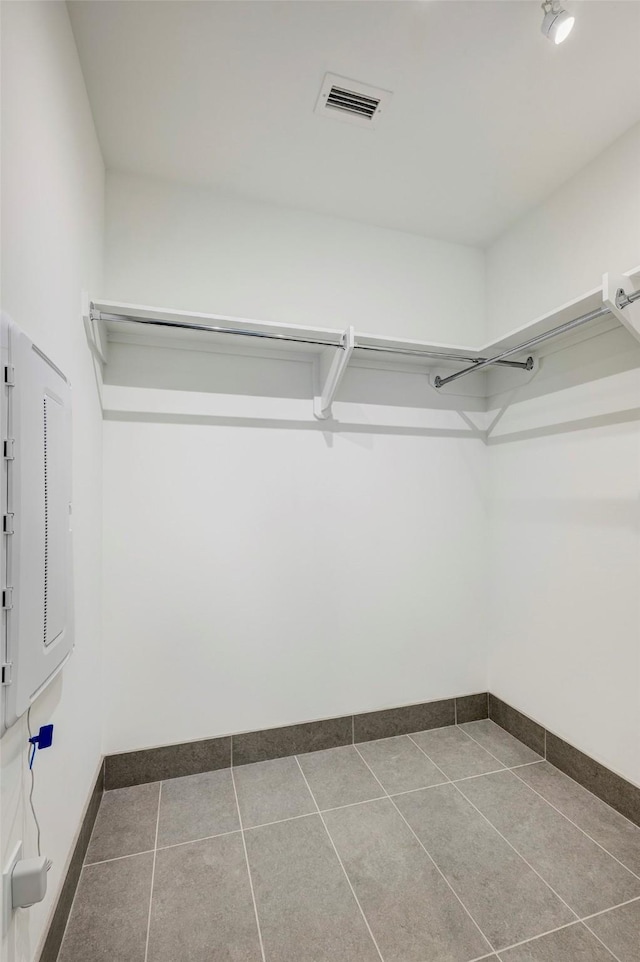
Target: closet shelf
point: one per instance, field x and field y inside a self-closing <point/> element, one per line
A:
<point x="332" y="350"/>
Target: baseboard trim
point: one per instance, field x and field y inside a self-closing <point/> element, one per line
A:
<point x="608" y="786"/>
<point x="58" y="923"/>
<point x="190" y="758"/>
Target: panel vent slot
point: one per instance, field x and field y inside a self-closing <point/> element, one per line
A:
<point x="46" y="523"/>
<point x="56" y="521"/>
<point x="349" y="100"/>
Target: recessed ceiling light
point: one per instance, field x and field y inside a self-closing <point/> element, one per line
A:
<point x="557" y="24"/>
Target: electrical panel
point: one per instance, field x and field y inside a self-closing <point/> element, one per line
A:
<point x="36" y="561"/>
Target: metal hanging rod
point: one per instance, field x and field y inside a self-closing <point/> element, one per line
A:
<point x="440" y="356"/>
<point x="217" y="329"/>
<point x="622" y="301"/>
<point x="211" y="328"/>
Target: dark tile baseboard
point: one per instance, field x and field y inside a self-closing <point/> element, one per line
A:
<point x="168" y="761"/>
<point x="191" y="758"/>
<point x="592" y="775"/>
<point x="520" y="726"/>
<point x="58" y="923"/>
<point x="291" y="740"/>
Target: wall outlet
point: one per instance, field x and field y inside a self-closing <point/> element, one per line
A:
<point x="7" y="872"/>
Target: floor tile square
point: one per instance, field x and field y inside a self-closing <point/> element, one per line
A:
<point x="500" y="743"/>
<point x="108" y="920"/>
<point x="399" y="765"/>
<point x="197" y="806"/>
<point x="573" y="944"/>
<point x="619" y="929"/>
<point x="202" y="907"/>
<point x="271" y="791"/>
<point x="412" y="912"/>
<point x="582" y="874"/>
<point x="504" y="895"/>
<point x="126" y="823"/>
<point x="306" y="908"/>
<point x="612" y="830"/>
<point x="339" y="777"/>
<point x="455" y="753"/>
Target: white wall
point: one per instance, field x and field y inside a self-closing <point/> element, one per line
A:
<point x="565" y="489"/>
<point x="265" y="576"/>
<point x="265" y="571"/>
<point x="561" y="249"/>
<point x="200" y="250"/>
<point x="52" y="217"/>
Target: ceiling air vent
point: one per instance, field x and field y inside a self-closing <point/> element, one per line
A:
<point x="349" y="100"/>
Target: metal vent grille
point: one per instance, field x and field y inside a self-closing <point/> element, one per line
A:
<point x="351" y="102"/>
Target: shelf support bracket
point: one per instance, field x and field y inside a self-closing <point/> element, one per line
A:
<point x="94" y="329"/>
<point x="615" y="288"/>
<point x="330" y="371"/>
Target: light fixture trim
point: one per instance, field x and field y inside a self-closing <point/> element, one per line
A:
<point x="557" y="24"/>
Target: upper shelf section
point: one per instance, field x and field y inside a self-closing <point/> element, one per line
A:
<point x="333" y="349"/>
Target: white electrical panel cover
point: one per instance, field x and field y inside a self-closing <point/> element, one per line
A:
<point x="37" y="600"/>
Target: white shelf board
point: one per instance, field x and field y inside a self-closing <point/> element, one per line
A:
<point x="104" y="331"/>
<point x="117" y="330"/>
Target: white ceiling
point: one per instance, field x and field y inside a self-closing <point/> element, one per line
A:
<point x="486" y="119"/>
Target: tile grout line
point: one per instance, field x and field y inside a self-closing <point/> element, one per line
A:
<point x="519" y="854"/>
<point x="588" y="918"/>
<point x="118" y="858"/>
<point x="153" y="873"/>
<point x="353" y="891"/>
<point x="493" y="755"/>
<point x="542" y="935"/>
<point x="246" y="858"/>
<point x="82" y="868"/>
<point x="508" y="842"/>
<point x="73" y="900"/>
<point x="597" y="797"/>
<point x="576" y="921"/>
<point x="419" y="747"/>
<point x="593" y="794"/>
<point x="386" y="738"/>
<point x="204" y="838"/>
<point x="575" y="825"/>
<point x="584" y="920"/>
<point x="560" y="928"/>
<point x="620" y="905"/>
<point x="596" y="936"/>
<point x="424" y="848"/>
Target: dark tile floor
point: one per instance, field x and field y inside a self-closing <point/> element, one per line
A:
<point x="450" y="845"/>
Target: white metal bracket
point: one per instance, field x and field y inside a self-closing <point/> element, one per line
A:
<point x="94" y="329"/>
<point x="331" y="367"/>
<point x="612" y="286"/>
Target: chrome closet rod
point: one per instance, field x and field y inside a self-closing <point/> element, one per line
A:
<point x="211" y="328"/>
<point x="526" y="365"/>
<point x="623" y="302"/>
<point x="216" y="329"/>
